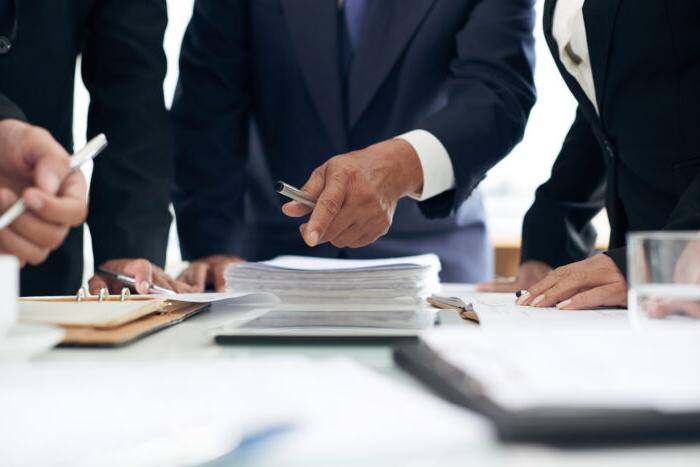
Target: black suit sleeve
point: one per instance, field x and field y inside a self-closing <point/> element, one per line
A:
<point x="210" y="112"/>
<point x="8" y="109"/>
<point x="557" y="229"/>
<point x="123" y="69"/>
<point x="491" y="92"/>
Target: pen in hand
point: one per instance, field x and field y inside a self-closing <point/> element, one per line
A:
<point x="295" y="194"/>
<point x="94" y="147"/>
<point x="131" y="281"/>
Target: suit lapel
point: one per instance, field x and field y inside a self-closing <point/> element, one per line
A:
<point x="600" y="16"/>
<point x="584" y="102"/>
<point x="313" y="26"/>
<point x="390" y="26"/>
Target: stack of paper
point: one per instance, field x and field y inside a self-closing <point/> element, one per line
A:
<point x="296" y="279"/>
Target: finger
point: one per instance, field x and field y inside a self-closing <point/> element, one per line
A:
<point x="535" y="291"/>
<point x="7" y="199"/>
<point x="607" y="295"/>
<point x="142" y="272"/>
<point x="24" y="249"/>
<point x="96" y="283"/>
<point x="350" y="235"/>
<point x="316" y="182"/>
<point x="69" y="208"/>
<point x="295" y="209"/>
<point x="49" y="158"/>
<point x="329" y="205"/>
<point x="566" y="287"/>
<point x="218" y="272"/>
<point x="163" y="279"/>
<point x="43" y="234"/>
<point x="661" y="309"/>
<point x="196" y="276"/>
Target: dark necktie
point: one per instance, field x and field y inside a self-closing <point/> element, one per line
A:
<point x="352" y="19"/>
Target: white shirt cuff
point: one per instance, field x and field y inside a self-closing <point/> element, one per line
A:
<point x="438" y="173"/>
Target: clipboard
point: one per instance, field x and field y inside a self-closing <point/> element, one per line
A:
<point x="557" y="426"/>
<point x="154" y="315"/>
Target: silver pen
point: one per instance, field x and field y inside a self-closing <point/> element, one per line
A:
<point x="128" y="280"/>
<point x="296" y="194"/>
<point x="88" y="153"/>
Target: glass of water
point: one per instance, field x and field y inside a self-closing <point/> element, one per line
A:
<point x="664" y="276"/>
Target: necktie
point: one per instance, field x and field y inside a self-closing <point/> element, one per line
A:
<point x="352" y="20"/>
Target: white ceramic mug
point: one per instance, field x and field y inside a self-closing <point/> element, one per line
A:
<point x="9" y="291"/>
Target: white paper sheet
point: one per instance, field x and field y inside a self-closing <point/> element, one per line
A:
<point x="498" y="311"/>
<point x="580" y="366"/>
<point x="184" y="413"/>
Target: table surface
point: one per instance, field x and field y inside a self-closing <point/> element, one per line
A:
<point x="191" y="340"/>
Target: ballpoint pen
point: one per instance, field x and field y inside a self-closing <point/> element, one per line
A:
<point x="128" y="280"/>
<point x="295" y="193"/>
<point x="88" y="153"/>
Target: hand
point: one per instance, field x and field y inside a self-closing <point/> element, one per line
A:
<point x="33" y="165"/>
<point x="208" y="272"/>
<point x="530" y="273"/>
<point x="591" y="283"/>
<point x="143" y="272"/>
<point x="357" y="194"/>
<point x="662" y="308"/>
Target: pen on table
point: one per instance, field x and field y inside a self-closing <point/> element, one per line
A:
<point x="88" y="153"/>
<point x="295" y="194"/>
<point x="128" y="280"/>
<point x="521" y="293"/>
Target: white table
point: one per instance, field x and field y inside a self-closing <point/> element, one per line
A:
<point x="190" y="340"/>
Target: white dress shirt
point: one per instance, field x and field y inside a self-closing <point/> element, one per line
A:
<point x="569" y="30"/>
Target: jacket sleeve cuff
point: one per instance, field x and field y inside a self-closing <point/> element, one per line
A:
<point x="619" y="256"/>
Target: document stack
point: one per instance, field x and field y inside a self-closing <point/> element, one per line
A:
<point x="338" y="282"/>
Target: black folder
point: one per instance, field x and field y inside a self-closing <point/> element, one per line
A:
<point x="560" y="426"/>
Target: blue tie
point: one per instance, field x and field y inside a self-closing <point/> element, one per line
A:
<point x="352" y="21"/>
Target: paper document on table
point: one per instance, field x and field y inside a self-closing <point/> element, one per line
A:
<point x="226" y="298"/>
<point x="498" y="310"/>
<point x="296" y="279"/>
<point x="579" y="367"/>
<point x="188" y="412"/>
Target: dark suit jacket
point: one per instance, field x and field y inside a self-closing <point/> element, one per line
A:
<point x="8" y="109"/>
<point x="261" y="97"/>
<point x="123" y="66"/>
<point x="640" y="158"/>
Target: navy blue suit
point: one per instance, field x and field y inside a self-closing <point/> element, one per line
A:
<point x="262" y="97"/>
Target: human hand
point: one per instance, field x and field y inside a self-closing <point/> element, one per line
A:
<point x="144" y="273"/>
<point x="208" y="272"/>
<point x="34" y="166"/>
<point x="590" y="283"/>
<point x="657" y="308"/>
<point x="357" y="194"/>
<point x="530" y="273"/>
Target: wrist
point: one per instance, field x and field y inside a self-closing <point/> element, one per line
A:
<point x="408" y="169"/>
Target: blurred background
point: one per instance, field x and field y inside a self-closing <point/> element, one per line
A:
<point x="509" y="188"/>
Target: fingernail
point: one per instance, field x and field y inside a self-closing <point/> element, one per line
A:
<point x="563" y="304"/>
<point x="145" y="286"/>
<point x="33" y="201"/>
<point x="537" y="300"/>
<point x="52" y="183"/>
<point x="313" y="238"/>
<point x="523" y="297"/>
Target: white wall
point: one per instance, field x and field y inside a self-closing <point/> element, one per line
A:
<point x="510" y="186"/>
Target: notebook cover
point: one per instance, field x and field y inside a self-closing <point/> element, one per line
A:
<point x="98" y="337"/>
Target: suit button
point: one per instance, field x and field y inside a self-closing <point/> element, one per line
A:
<point x="5" y="45"/>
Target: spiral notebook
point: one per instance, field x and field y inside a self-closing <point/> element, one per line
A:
<point x="107" y="322"/>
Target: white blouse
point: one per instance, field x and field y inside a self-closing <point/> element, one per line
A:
<point x="569" y="31"/>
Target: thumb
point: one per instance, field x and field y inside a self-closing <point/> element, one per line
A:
<point x="143" y="274"/>
<point x="96" y="283"/>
